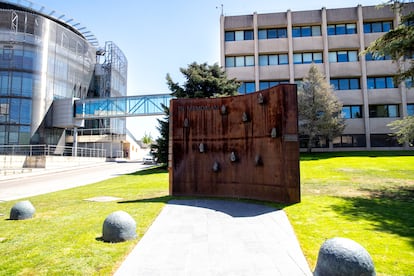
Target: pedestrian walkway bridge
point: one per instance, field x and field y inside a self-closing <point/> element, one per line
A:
<point x="129" y="106"/>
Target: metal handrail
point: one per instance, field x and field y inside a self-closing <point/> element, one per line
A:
<point x="50" y="150"/>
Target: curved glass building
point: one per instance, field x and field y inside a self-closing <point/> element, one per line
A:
<point x="45" y="58"/>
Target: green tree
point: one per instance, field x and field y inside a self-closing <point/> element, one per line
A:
<point x="203" y="81"/>
<point x="160" y="148"/>
<point x="398" y="44"/>
<point x="146" y="139"/>
<point x="320" y="112"/>
<point x="403" y="130"/>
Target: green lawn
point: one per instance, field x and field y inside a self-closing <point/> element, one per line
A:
<point x="367" y="197"/>
<point x="64" y="236"/>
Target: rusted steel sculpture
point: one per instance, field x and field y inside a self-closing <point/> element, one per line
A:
<point x="241" y="147"/>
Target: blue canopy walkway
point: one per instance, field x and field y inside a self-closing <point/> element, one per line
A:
<point x="129" y="106"/>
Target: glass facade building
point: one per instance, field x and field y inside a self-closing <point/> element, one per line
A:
<point x="43" y="59"/>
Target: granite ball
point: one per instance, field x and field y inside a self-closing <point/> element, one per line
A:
<point x="22" y="210"/>
<point x="343" y="257"/>
<point x="119" y="226"/>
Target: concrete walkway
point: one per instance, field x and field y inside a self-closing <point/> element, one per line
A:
<point x="217" y="237"/>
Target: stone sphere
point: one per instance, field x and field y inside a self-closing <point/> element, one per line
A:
<point x="22" y="210"/>
<point x="343" y="257"/>
<point x="119" y="226"/>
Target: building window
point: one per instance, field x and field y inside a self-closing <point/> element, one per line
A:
<point x="384" y="140"/>
<point x="280" y="59"/>
<point x="240" y="61"/>
<point x="238" y="35"/>
<point x="304" y="31"/>
<point x="384" y="111"/>
<point x="410" y="109"/>
<point x="371" y="57"/>
<point x="377" y="27"/>
<point x="268" y="84"/>
<point x="306" y="58"/>
<point x="345" y="84"/>
<point x="351" y="111"/>
<point x="380" y="82"/>
<point x="247" y="87"/>
<point x="272" y="33"/>
<point x="318" y="142"/>
<point x="349" y="140"/>
<point x="343" y="56"/>
<point x="341" y="29"/>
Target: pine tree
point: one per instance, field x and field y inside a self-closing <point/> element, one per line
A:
<point x="398" y="44"/>
<point x="201" y="81"/>
<point x="320" y="112"/>
<point x="160" y="148"/>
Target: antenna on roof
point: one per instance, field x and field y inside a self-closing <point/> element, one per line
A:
<point x="222" y="9"/>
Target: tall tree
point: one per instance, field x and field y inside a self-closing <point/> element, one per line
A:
<point x="398" y="44"/>
<point x="203" y="81"/>
<point x="160" y="148"/>
<point x="320" y="112"/>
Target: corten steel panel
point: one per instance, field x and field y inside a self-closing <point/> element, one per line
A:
<point x="265" y="167"/>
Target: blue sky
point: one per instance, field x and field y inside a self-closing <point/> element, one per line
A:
<point x="161" y="36"/>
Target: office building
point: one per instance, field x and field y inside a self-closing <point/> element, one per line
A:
<point x="47" y="60"/>
<point x="262" y="50"/>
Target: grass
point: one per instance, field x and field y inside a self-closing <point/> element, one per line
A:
<point x="64" y="236"/>
<point x="364" y="196"/>
<point x="367" y="197"/>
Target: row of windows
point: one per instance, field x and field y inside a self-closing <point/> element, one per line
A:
<point x="307" y="58"/>
<point x="15" y="111"/>
<point x="268" y="84"/>
<point x="272" y="33"/>
<point x="339" y="84"/>
<point x="375" y="111"/>
<point x="384" y="110"/>
<point x="358" y="140"/>
<point x="343" y="56"/>
<point x="348" y="111"/>
<point x="280" y="59"/>
<point x="380" y="83"/>
<point x="351" y="140"/>
<point x="306" y="31"/>
<point x="372" y="83"/>
<point x="300" y="58"/>
<point x="345" y="84"/>
<point x="240" y="61"/>
<point x="238" y="35"/>
<point x="351" y="111"/>
<point x="377" y="27"/>
<point x="16" y="84"/>
<point x="341" y="29"/>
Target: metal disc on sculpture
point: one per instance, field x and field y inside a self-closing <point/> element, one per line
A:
<point x="343" y="257"/>
<point x="119" y="226"/>
<point x="22" y="210"/>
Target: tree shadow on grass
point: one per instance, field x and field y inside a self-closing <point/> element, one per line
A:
<point x="230" y="206"/>
<point x="390" y="210"/>
<point x="151" y="170"/>
<point x="161" y="199"/>
<point x="327" y="155"/>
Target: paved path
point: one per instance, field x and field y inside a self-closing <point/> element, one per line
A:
<point x="42" y="181"/>
<point x="217" y="237"/>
